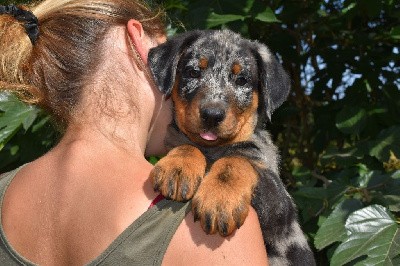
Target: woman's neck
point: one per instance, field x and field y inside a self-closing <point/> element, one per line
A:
<point x="122" y="142"/>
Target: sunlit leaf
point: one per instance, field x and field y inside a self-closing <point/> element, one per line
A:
<point x="351" y="120"/>
<point x="14" y="115"/>
<point x="387" y="141"/>
<point x="267" y="16"/>
<point x="214" y="19"/>
<point x="333" y="230"/>
<point x="348" y="8"/>
<point x="372" y="233"/>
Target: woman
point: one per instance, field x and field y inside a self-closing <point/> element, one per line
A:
<point x="87" y="200"/>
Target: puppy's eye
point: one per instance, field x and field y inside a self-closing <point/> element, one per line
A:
<point x="241" y="81"/>
<point x="194" y="73"/>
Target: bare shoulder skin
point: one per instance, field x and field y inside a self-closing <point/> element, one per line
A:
<point x="190" y="245"/>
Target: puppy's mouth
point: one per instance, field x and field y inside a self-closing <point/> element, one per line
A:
<point x="211" y="137"/>
<point x="208" y="136"/>
<point x="211" y="127"/>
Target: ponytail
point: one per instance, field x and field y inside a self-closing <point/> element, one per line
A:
<point x="19" y="32"/>
<point x="51" y="68"/>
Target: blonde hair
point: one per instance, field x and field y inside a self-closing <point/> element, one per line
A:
<point x="52" y="72"/>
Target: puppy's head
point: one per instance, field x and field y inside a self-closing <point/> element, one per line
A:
<point x="221" y="84"/>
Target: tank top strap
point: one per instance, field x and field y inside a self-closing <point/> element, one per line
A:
<point x="146" y="240"/>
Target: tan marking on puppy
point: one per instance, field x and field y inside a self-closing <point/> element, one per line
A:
<point x="187" y="116"/>
<point x="245" y="121"/>
<point x="236" y="68"/>
<point x="179" y="107"/>
<point x="203" y="63"/>
<point x="178" y="175"/>
<point x="230" y="182"/>
<point x="248" y="120"/>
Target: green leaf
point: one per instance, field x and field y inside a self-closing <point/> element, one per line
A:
<point x="174" y="4"/>
<point x="395" y="33"/>
<point x="15" y="115"/>
<point x="311" y="193"/>
<point x="303" y="176"/>
<point x="393" y="202"/>
<point x="153" y="159"/>
<point x="387" y="140"/>
<point x="373" y="233"/>
<point x="248" y="6"/>
<point x="351" y="120"/>
<point x="391" y="192"/>
<point x="214" y="19"/>
<point x="367" y="85"/>
<point x="41" y="123"/>
<point x="333" y="229"/>
<point x="348" y="8"/>
<point x="364" y="175"/>
<point x="344" y="157"/>
<point x="322" y="13"/>
<point x="267" y="16"/>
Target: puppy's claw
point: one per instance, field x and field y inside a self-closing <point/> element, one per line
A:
<point x="178" y="175"/>
<point x="208" y="225"/>
<point x="184" y="190"/>
<point x="156" y="187"/>
<point x="195" y="211"/>
<point x="196" y="217"/>
<point x="155" y="177"/>
<point x="223" y="229"/>
<point x="171" y="188"/>
<point x="239" y="215"/>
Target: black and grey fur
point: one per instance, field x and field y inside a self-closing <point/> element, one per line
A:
<point x="283" y="237"/>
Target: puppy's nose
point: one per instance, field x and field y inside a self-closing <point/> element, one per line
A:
<point x="212" y="116"/>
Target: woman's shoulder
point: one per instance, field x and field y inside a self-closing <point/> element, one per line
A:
<point x="190" y="244"/>
<point x="6" y="177"/>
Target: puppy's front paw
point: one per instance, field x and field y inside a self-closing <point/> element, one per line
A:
<point x="178" y="175"/>
<point x="223" y="199"/>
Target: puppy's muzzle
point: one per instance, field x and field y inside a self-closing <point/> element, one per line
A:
<point x="212" y="116"/>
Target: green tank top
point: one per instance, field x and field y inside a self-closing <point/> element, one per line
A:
<point x="143" y="243"/>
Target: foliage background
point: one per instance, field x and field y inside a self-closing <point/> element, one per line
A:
<point x="339" y="131"/>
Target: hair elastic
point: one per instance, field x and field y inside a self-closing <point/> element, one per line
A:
<point x="31" y="22"/>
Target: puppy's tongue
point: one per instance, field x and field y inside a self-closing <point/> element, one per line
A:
<point x="208" y="136"/>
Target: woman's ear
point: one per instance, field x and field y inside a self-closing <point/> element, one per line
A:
<point x="136" y="35"/>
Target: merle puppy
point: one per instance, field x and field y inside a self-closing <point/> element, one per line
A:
<point x="224" y="89"/>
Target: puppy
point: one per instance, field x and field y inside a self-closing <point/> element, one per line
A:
<point x="224" y="89"/>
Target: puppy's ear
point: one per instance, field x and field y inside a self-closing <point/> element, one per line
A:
<point x="163" y="59"/>
<point x="274" y="82"/>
